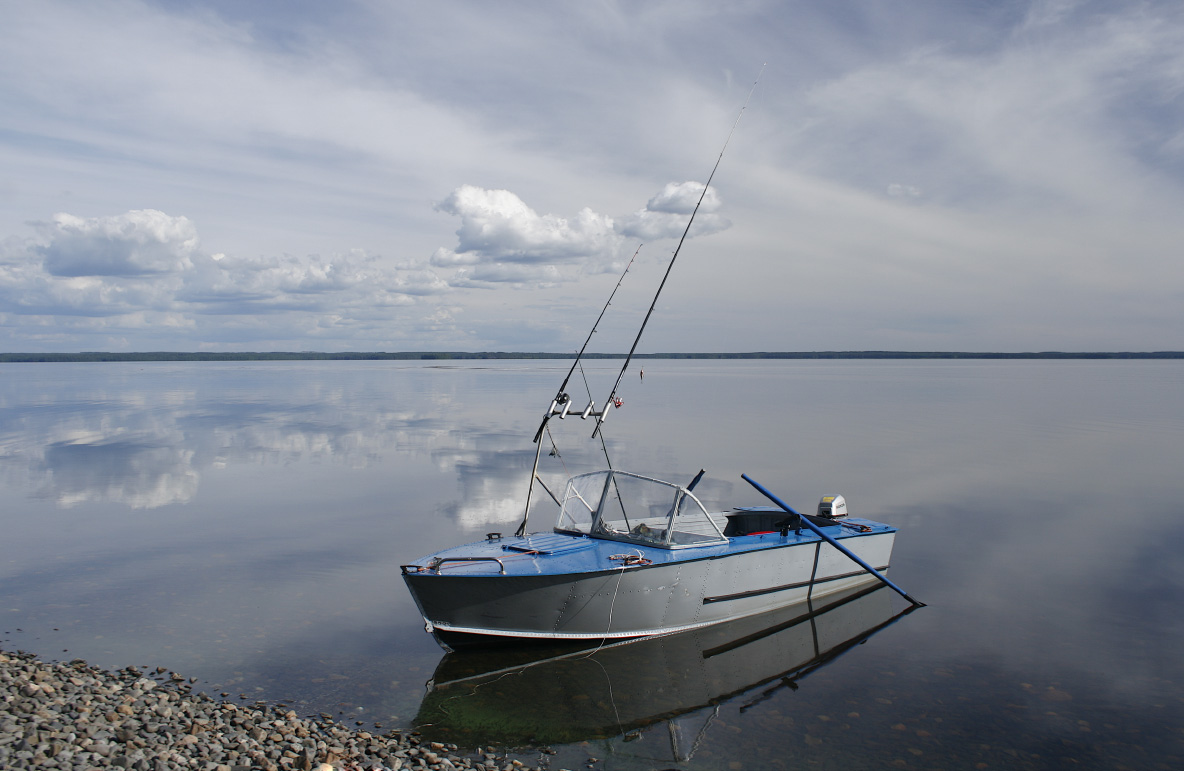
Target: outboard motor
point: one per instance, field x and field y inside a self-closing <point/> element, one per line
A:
<point x="832" y="507"/>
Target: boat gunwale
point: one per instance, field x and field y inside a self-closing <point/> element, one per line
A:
<point x="735" y="546"/>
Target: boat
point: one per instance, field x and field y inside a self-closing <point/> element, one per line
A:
<point x="551" y="695"/>
<point x="633" y="556"/>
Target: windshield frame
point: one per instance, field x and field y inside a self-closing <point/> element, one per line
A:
<point x="621" y="506"/>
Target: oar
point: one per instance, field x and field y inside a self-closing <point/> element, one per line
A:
<point x="805" y="521"/>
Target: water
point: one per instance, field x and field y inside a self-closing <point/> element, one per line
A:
<point x="243" y="524"/>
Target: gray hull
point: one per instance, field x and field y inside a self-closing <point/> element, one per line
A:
<point x="640" y="600"/>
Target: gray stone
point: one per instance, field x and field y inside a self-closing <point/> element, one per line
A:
<point x="77" y="717"/>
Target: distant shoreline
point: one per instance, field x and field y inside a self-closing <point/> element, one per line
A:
<point x="105" y="356"/>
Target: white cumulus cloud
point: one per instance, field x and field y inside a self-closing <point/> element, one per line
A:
<point x="503" y="240"/>
<point x="667" y="213"/>
<point x="140" y="242"/>
<point x="497" y="225"/>
<point x="681" y="197"/>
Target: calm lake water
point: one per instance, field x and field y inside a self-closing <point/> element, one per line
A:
<point x="244" y="524"/>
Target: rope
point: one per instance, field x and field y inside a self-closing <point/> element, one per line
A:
<point x="625" y="563"/>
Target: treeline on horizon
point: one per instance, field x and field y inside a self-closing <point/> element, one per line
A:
<point x="96" y="356"/>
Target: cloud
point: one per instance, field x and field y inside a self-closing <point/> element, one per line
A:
<point x="482" y="276"/>
<point x="681" y="198"/>
<point x="897" y="190"/>
<point x="137" y="243"/>
<point x="500" y="235"/>
<point x="667" y="213"/>
<point x="1061" y="122"/>
<point x="446" y="258"/>
<point x="143" y="269"/>
<point x="1049" y="130"/>
<point x="498" y="225"/>
<point x="314" y="283"/>
<point x="29" y="289"/>
<point x="114" y="279"/>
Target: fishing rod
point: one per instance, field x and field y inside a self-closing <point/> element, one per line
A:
<point x="611" y="399"/>
<point x="561" y="397"/>
<point x="562" y="402"/>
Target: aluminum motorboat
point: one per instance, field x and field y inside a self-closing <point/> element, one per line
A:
<point x="633" y="556"/>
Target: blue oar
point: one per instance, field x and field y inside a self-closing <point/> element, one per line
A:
<point x="805" y="521"/>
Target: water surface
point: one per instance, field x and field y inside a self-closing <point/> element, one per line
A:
<point x="243" y="523"/>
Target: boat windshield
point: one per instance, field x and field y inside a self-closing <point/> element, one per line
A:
<point x="620" y="506"/>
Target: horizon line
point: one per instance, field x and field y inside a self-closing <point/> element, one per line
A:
<point x="116" y="356"/>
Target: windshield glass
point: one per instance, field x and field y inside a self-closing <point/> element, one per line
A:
<point x="627" y="507"/>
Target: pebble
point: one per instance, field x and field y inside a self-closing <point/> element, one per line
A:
<point x="75" y="717"/>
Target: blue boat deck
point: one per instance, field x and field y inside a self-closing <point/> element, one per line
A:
<point x="551" y="553"/>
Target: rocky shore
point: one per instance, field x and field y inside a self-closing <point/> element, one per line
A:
<point x="74" y="716"/>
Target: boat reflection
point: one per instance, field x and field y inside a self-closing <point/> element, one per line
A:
<point x="558" y="695"/>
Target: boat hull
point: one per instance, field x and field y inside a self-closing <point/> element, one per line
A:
<point x="687" y="591"/>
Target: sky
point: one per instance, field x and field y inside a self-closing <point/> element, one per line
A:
<point x="369" y="175"/>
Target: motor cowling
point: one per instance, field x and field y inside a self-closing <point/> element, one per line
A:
<point x="832" y="507"/>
